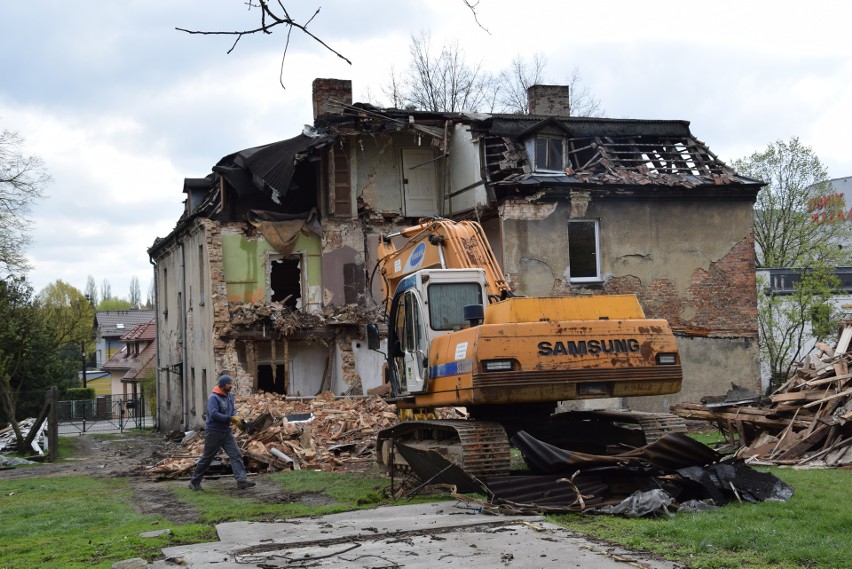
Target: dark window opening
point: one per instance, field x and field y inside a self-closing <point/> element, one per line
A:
<point x="269" y="382"/>
<point x="583" y="250"/>
<point x="548" y="153"/>
<point x="285" y="282"/>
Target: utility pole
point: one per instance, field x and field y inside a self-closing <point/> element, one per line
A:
<point x="83" y="345"/>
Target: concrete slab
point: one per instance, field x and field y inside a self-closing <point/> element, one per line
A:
<point x="413" y="537"/>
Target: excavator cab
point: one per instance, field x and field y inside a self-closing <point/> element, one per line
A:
<point x="426" y="304"/>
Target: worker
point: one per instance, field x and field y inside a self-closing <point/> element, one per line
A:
<point x="221" y="414"/>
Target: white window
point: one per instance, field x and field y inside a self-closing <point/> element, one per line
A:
<point x="584" y="250"/>
<point x="549" y="154"/>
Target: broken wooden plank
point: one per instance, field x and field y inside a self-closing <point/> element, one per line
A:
<point x="843" y="393"/>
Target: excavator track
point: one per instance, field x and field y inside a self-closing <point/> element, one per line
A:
<point x="481" y="448"/>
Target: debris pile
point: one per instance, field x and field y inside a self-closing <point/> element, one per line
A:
<point x="322" y="433"/>
<point x="806" y="421"/>
<point x="9" y="442"/>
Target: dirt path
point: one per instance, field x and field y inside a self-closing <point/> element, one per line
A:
<point x="128" y="455"/>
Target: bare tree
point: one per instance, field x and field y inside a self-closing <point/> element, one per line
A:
<point x="273" y="15"/>
<point x="514" y="82"/>
<point x="91" y="291"/>
<point x="581" y="101"/>
<point x="22" y="180"/>
<point x="106" y="290"/>
<point x="135" y="292"/>
<point x="441" y="81"/>
<point x="149" y="302"/>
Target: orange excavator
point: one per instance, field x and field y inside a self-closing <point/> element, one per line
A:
<point x="458" y="337"/>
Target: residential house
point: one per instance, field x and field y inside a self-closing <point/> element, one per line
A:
<point x="134" y="362"/>
<point x="111" y="326"/>
<point x="832" y="207"/>
<point x="269" y="272"/>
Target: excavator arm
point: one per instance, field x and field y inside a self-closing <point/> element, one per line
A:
<point x="439" y="244"/>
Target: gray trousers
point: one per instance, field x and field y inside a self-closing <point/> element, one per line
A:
<point x="213" y="441"/>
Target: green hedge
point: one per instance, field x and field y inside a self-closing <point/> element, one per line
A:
<point x="79" y="394"/>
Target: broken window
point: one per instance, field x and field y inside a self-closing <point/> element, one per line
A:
<point x="549" y="153"/>
<point x="285" y="280"/>
<point x="584" y="250"/>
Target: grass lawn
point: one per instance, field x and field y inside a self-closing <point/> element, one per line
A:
<point x="83" y="521"/>
<point x="812" y="529"/>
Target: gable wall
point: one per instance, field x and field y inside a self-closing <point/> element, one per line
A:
<point x="688" y="261"/>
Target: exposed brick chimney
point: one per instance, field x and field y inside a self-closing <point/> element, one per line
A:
<point x="329" y="94"/>
<point x="550" y="100"/>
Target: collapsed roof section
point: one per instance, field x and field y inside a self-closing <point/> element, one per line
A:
<point x="258" y="174"/>
<point x="644" y="157"/>
<point x="603" y="152"/>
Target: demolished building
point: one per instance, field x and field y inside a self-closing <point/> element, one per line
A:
<point x="269" y="272"/>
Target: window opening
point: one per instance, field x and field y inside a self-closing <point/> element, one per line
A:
<point x="447" y="302"/>
<point x="285" y="281"/>
<point x="201" y="277"/>
<point x="583" y="250"/>
<point x="548" y="153"/>
<point x="269" y="381"/>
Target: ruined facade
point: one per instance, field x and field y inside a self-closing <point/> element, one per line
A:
<point x="269" y="273"/>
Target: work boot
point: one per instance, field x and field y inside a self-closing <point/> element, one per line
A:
<point x="243" y="484"/>
<point x="195" y="485"/>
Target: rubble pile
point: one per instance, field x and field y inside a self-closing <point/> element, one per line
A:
<point x="807" y="421"/>
<point x="322" y="433"/>
<point x="9" y="442"/>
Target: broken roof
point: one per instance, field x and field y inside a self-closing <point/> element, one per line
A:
<point x="602" y="152"/>
<point x="268" y="168"/>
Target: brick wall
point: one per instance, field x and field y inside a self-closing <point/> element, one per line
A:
<point x="328" y="94"/>
<point x="551" y="100"/>
<point x="720" y="301"/>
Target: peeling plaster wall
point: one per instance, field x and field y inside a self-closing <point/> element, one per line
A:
<point x="464" y="172"/>
<point x="343" y="258"/>
<point x="377" y="169"/>
<point x="377" y="176"/>
<point x="245" y="261"/>
<point x="185" y="329"/>
<point x="688" y="261"/>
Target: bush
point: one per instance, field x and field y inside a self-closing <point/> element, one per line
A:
<point x="79" y="394"/>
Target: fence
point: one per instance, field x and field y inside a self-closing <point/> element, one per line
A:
<point x="104" y="414"/>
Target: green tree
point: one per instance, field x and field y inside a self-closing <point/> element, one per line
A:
<point x="786" y="232"/>
<point x="30" y="359"/>
<point x="790" y="233"/>
<point x="22" y="182"/>
<point x="114" y="304"/>
<point x="69" y="314"/>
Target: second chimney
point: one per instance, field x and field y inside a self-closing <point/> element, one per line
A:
<point x="329" y="95"/>
<point x="550" y="100"/>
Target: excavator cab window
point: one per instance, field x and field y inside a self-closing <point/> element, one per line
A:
<point x="447" y="302"/>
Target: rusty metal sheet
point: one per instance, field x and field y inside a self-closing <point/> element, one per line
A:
<point x="432" y="468"/>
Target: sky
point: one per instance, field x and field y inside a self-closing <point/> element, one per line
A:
<point x="121" y="106"/>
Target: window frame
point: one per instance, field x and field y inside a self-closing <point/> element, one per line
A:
<point x="547" y="161"/>
<point x="597" y="252"/>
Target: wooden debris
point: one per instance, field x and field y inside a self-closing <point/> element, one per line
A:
<point x="321" y="433"/>
<point x="806" y="421"/>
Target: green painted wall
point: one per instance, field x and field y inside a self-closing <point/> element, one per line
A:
<point x="244" y="265"/>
